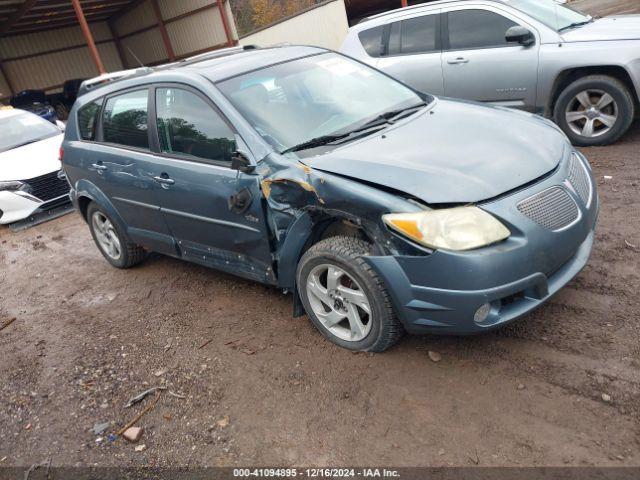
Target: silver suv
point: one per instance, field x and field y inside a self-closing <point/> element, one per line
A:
<point x="536" y="55"/>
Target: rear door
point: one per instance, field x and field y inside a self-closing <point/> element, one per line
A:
<point x="413" y="52"/>
<point x="479" y="64"/>
<point x="120" y="163"/>
<point x="195" y="144"/>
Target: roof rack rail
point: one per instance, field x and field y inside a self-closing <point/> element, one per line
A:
<point x="112" y="77"/>
<point x="222" y="52"/>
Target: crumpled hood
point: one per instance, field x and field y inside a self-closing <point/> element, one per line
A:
<point x="621" y="27"/>
<point x="31" y="160"/>
<point x="459" y="152"/>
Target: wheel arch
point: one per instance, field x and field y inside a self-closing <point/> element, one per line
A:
<point x="570" y="75"/>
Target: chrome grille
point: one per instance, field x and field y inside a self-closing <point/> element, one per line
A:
<point x="579" y="178"/>
<point x="552" y="208"/>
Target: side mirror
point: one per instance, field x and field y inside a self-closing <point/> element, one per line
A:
<point x="61" y="125"/>
<point x="521" y="35"/>
<point x="240" y="162"/>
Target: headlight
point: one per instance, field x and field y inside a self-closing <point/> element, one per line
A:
<point x="461" y="228"/>
<point x="11" y="186"/>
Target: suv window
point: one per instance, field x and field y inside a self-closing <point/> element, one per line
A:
<point x="187" y="125"/>
<point x="125" y="120"/>
<point x="372" y="40"/>
<point x="477" y="29"/>
<point x="88" y="119"/>
<point x="415" y="35"/>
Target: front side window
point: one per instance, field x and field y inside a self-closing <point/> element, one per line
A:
<point x="315" y="96"/>
<point x="125" y="120"/>
<point x="22" y="128"/>
<point x="415" y="35"/>
<point x="188" y="126"/>
<point x="88" y="119"/>
<point x="470" y="29"/>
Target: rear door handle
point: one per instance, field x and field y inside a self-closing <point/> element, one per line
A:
<point x="164" y="181"/>
<point x="99" y="167"/>
<point x="458" y="61"/>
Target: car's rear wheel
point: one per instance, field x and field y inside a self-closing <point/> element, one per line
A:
<point x="112" y="242"/>
<point x="594" y="110"/>
<point x="344" y="298"/>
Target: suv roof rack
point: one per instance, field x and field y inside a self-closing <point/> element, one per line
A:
<point x="111" y="77"/>
<point x="98" y="81"/>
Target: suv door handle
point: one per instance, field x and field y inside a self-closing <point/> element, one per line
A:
<point x="458" y="61"/>
<point x="164" y="180"/>
<point x="99" y="167"/>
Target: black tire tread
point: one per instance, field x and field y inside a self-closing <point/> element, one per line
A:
<point x="588" y="79"/>
<point x="353" y="249"/>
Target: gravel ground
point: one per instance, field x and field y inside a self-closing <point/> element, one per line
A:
<point x="561" y="387"/>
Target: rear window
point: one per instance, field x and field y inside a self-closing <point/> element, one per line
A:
<point x="372" y="41"/>
<point x="125" y="120"/>
<point x="88" y="119"/>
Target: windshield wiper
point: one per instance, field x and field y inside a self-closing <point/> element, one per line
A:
<point x="377" y="121"/>
<point x="574" y="25"/>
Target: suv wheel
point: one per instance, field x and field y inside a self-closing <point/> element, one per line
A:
<point x="594" y="110"/>
<point x="345" y="298"/>
<point x="112" y="242"/>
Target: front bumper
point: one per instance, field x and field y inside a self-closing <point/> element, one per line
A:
<point x="441" y="292"/>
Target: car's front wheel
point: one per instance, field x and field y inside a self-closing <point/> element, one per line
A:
<point x="344" y="298"/>
<point x="112" y="242"/>
<point x="594" y="110"/>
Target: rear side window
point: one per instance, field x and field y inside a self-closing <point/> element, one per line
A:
<point x="189" y="126"/>
<point x="415" y="35"/>
<point x="125" y="120"/>
<point x="470" y="29"/>
<point x="88" y="119"/>
<point x="372" y="41"/>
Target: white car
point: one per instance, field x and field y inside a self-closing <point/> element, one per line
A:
<point x="29" y="165"/>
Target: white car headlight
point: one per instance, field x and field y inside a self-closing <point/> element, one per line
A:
<point x="11" y="186"/>
<point x="460" y="228"/>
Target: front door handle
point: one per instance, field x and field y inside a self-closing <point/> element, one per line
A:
<point x="458" y="61"/>
<point x="99" y="167"/>
<point x="164" y="181"/>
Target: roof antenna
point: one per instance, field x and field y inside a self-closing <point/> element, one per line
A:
<point x="135" y="56"/>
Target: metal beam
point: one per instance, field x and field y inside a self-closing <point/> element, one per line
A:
<point x="16" y="16"/>
<point x="116" y="40"/>
<point x="225" y="22"/>
<point x="163" y="31"/>
<point x="87" y="36"/>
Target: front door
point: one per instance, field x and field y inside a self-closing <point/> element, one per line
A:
<point x="195" y="146"/>
<point x="478" y="63"/>
<point x="413" y="53"/>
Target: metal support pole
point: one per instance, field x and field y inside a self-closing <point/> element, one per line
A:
<point x="87" y="36"/>
<point x="225" y="22"/>
<point x="163" y="31"/>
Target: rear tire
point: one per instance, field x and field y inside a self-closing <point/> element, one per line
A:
<point x="355" y="311"/>
<point x="113" y="243"/>
<point x="594" y="110"/>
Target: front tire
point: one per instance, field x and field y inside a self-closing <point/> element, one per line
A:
<point x="594" y="110"/>
<point x="344" y="298"/>
<point x="112" y="242"/>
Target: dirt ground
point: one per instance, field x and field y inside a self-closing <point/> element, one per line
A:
<point x="561" y="387"/>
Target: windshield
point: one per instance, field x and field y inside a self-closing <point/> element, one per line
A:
<point x="294" y="102"/>
<point x="551" y="13"/>
<point x="24" y="128"/>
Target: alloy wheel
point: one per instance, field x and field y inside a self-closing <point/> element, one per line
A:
<point x="339" y="303"/>
<point x="592" y="113"/>
<point x="106" y="235"/>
